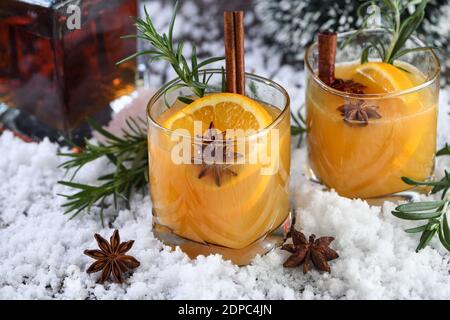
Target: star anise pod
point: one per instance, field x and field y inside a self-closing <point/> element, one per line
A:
<point x="218" y="160"/>
<point x="359" y="113"/>
<point x="348" y="86"/>
<point x="305" y="251"/>
<point x="111" y="258"/>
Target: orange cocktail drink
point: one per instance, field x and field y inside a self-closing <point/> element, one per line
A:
<point x="361" y="144"/>
<point x="228" y="203"/>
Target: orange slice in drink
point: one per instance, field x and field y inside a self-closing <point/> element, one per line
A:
<point x="380" y="77"/>
<point x="226" y="110"/>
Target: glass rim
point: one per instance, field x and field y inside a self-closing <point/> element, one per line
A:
<point x="393" y="94"/>
<point x="158" y="94"/>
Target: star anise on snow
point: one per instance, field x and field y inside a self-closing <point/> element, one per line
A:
<point x="111" y="258"/>
<point x="359" y="113"/>
<point x="348" y="86"/>
<point x="214" y="155"/>
<point x="305" y="251"/>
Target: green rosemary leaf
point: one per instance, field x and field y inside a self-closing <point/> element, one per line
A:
<point x="379" y="46"/>
<point x="403" y="52"/>
<point x="425" y="239"/>
<point x="438" y="186"/>
<point x="75" y="211"/>
<point x="172" y="23"/>
<point x="207" y="79"/>
<point x="420" y="206"/>
<point x="170" y="90"/>
<point x="131" y="123"/>
<point x="132" y="36"/>
<point x="108" y="176"/>
<point x="296" y="131"/>
<point x="299" y="126"/>
<point x="78" y="195"/>
<point x="103" y="132"/>
<point x="445" y="151"/>
<point x="224" y="80"/>
<point x="194" y="63"/>
<point x="76" y="185"/>
<point x="252" y="91"/>
<point x="185" y="100"/>
<point x="442" y="185"/>
<point x="445" y="241"/>
<point x="444" y="233"/>
<point x="71" y="206"/>
<point x="417" y="229"/>
<point x="365" y="54"/>
<point x="138" y="54"/>
<point x="446" y="228"/>
<point x="416" y="215"/>
<point x="209" y="61"/>
<point x="415" y="182"/>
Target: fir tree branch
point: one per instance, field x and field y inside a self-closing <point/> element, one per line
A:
<point x="129" y="156"/>
<point x="433" y="211"/>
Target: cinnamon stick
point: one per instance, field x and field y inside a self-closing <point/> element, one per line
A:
<point x="240" y="51"/>
<point x="234" y="51"/>
<point x="327" y="56"/>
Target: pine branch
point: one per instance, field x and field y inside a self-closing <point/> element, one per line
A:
<point x="433" y="211"/>
<point x="129" y="156"/>
<point x="445" y="151"/>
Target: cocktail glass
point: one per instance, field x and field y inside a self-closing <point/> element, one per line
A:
<point x="244" y="213"/>
<point x="368" y="159"/>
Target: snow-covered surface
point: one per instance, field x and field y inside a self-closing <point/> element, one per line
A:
<point x="41" y="250"/>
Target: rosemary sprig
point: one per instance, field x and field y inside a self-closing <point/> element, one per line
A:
<point x="129" y="155"/>
<point x="433" y="211"/>
<point x="398" y="23"/>
<point x="163" y="48"/>
<point x="299" y="126"/>
<point x="444" y="151"/>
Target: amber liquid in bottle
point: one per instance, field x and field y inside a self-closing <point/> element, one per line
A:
<point x="62" y="76"/>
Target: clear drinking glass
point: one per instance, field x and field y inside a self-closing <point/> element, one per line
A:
<point x="247" y="212"/>
<point x="368" y="160"/>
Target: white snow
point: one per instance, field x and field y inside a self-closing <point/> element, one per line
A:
<point x="41" y="249"/>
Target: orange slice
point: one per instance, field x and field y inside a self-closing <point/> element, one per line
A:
<point x="380" y="77"/>
<point x="226" y="110"/>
